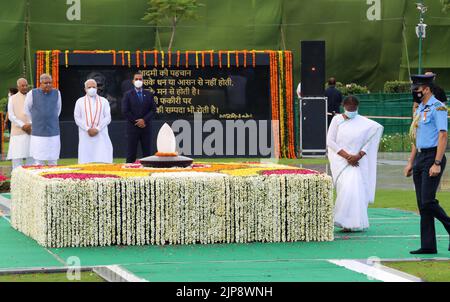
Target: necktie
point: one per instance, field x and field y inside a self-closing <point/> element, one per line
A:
<point x="140" y="96"/>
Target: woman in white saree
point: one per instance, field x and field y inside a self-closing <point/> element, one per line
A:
<point x="352" y="151"/>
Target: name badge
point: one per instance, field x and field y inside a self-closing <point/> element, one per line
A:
<point x="425" y="114"/>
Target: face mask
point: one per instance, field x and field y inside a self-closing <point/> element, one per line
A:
<point x="417" y="96"/>
<point x="92" y="91"/>
<point x="138" y="84"/>
<point x="351" y="115"/>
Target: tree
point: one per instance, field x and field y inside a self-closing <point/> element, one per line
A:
<point x="445" y="5"/>
<point x="173" y="11"/>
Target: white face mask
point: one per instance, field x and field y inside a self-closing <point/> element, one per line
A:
<point x="138" y="84"/>
<point x="351" y="114"/>
<point x="92" y="91"/>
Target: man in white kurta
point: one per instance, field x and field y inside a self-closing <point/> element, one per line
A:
<point x="93" y="115"/>
<point x="19" y="143"/>
<point x="43" y="107"/>
<point x="353" y="142"/>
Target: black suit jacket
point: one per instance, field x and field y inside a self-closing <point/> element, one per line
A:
<point x="133" y="109"/>
<point x="334" y="99"/>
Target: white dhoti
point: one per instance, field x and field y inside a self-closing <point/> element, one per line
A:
<point x="19" y="147"/>
<point x="45" y="148"/>
<point x="355" y="186"/>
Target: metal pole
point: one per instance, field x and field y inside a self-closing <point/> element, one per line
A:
<point x="420" y="39"/>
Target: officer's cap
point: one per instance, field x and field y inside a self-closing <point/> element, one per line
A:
<point x="422" y="80"/>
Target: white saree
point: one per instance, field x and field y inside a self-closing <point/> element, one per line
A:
<point x="355" y="186"/>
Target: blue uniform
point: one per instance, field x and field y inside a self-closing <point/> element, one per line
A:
<point x="433" y="119"/>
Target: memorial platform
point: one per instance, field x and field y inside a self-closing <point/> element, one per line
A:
<point x="103" y="205"/>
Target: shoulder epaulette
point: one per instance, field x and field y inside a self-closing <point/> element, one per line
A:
<point x="441" y="108"/>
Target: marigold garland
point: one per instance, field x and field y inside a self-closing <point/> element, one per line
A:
<point x="164" y="154"/>
<point x="281" y="101"/>
<point x="122" y="53"/>
<point x="129" y="58"/>
<point x="245" y="58"/>
<point x="203" y="59"/>
<point x="196" y="60"/>
<point x="220" y="59"/>
<point x="211" y="58"/>
<point x="138" y="58"/>
<point x="66" y="57"/>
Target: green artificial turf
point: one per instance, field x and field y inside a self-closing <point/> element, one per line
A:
<point x="50" y="277"/>
<point x="406" y="200"/>
<point x="430" y="271"/>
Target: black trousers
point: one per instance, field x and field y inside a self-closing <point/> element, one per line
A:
<point x="429" y="207"/>
<point x="136" y="135"/>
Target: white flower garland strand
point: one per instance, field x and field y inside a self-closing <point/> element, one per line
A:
<point x="172" y="208"/>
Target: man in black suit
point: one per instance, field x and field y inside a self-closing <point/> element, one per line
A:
<point x="139" y="108"/>
<point x="334" y="99"/>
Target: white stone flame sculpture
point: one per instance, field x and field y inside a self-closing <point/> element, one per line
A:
<point x="166" y="141"/>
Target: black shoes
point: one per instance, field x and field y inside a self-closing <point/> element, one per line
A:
<point x="423" y="251"/>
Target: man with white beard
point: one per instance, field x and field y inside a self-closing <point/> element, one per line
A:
<point x="93" y="115"/>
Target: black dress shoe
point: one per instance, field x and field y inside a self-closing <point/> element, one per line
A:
<point x="423" y="251"/>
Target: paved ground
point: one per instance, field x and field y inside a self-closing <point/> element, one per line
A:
<point x="393" y="233"/>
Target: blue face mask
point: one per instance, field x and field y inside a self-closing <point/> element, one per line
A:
<point x="351" y="115"/>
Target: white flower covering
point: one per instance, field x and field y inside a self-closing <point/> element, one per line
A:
<point x="172" y="208"/>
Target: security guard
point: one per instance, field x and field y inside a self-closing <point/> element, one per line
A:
<point x="427" y="160"/>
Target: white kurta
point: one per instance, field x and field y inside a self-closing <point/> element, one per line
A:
<point x="43" y="148"/>
<point x="93" y="112"/>
<point x="19" y="145"/>
<point x="355" y="186"/>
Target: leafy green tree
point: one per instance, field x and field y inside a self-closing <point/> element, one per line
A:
<point x="445" y="5"/>
<point x="173" y="11"/>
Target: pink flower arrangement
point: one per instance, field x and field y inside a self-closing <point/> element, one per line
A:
<point x="36" y="167"/>
<point x="3" y="178"/>
<point x="289" y="172"/>
<point x="80" y="176"/>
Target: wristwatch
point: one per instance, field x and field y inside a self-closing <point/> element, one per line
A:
<point x="437" y="162"/>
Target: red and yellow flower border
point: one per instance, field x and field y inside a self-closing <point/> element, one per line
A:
<point x="281" y="79"/>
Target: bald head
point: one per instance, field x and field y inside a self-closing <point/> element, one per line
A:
<point x="22" y="85"/>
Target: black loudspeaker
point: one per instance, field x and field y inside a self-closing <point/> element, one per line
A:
<point x="313" y="126"/>
<point x="313" y="68"/>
